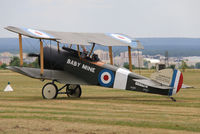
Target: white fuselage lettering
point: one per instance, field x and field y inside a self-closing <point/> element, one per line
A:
<point x="73" y="63"/>
<point x="78" y="64"/>
<point x="88" y="68"/>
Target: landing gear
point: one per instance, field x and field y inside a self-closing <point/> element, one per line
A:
<point x="73" y="91"/>
<point x="50" y="90"/>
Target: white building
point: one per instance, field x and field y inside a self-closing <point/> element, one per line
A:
<point x="103" y="55"/>
<point x="137" y="58"/>
<point x="5" y="60"/>
<point x="191" y="61"/>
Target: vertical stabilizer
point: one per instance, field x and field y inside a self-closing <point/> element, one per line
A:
<point x="169" y="77"/>
<point x="176" y="83"/>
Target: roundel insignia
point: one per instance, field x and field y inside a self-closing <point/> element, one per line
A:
<point x="121" y="37"/>
<point x="106" y="78"/>
<point x="38" y="33"/>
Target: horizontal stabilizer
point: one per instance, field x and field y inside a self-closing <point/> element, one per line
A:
<point x="149" y="83"/>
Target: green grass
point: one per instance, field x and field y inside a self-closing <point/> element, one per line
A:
<point x="99" y="108"/>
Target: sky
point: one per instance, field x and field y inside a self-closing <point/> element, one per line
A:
<point x="138" y="18"/>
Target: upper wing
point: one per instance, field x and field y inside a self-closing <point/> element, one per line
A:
<point x="31" y="33"/>
<point x="105" y="39"/>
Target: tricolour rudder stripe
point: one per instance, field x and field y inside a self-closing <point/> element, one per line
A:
<point x="177" y="81"/>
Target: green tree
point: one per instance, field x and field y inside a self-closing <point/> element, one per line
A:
<point x="34" y="64"/>
<point x="25" y="64"/>
<point x="197" y="65"/>
<point x="15" y="61"/>
<point x="153" y="67"/>
<point x="184" y="66"/>
<point x="3" y="66"/>
<point x="172" y="66"/>
<point x="192" y="67"/>
<point x="146" y="63"/>
<point x="126" y="65"/>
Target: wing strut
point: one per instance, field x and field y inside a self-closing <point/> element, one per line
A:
<point x="78" y="51"/>
<point x="58" y="45"/>
<point x="130" y="61"/>
<point x="41" y="58"/>
<point x="92" y="49"/>
<point x="110" y="54"/>
<point x="20" y="50"/>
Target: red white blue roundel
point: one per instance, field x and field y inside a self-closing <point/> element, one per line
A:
<point x="39" y="33"/>
<point x="121" y="37"/>
<point x="106" y="78"/>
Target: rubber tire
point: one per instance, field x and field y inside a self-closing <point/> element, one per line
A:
<point x="77" y="90"/>
<point x="45" y="93"/>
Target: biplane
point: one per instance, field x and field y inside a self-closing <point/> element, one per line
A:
<point x="75" y="67"/>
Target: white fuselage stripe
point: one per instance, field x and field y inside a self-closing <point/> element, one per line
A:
<point x="121" y="78"/>
<point x="176" y="82"/>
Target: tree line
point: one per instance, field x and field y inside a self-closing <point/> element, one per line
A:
<point x="15" y="61"/>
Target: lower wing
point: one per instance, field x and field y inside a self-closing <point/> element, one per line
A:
<point x="60" y="76"/>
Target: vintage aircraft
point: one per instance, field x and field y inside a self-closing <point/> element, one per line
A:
<point x="80" y="67"/>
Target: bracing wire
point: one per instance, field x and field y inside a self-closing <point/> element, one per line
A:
<point x="30" y="43"/>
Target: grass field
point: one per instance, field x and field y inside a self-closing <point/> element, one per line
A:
<point x="99" y="110"/>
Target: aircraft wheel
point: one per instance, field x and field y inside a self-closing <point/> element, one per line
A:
<point x="73" y="91"/>
<point x="49" y="91"/>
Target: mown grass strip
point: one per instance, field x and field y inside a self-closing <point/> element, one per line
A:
<point x="83" y="112"/>
<point x="143" y="124"/>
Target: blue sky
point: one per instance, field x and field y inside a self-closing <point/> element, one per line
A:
<point x="138" y="18"/>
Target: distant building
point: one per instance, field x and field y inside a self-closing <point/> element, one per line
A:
<point x="191" y="61"/>
<point x="5" y="60"/>
<point x="152" y="62"/>
<point x="118" y="61"/>
<point x="137" y="58"/>
<point x="6" y="54"/>
<point x="6" y="57"/>
<point x="103" y="55"/>
<point x="25" y="55"/>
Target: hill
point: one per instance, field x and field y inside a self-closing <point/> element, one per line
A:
<point x="175" y="46"/>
